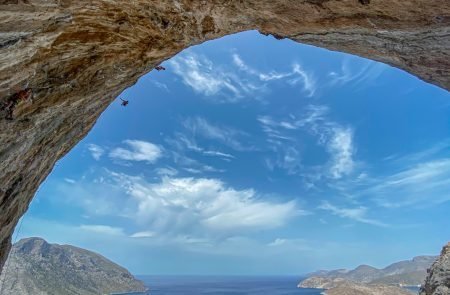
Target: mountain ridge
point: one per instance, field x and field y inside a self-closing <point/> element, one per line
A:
<point x="38" y="267"/>
<point x="405" y="272"/>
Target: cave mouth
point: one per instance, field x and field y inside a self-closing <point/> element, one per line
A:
<point x="247" y="147"/>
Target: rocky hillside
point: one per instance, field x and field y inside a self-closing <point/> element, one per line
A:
<point x="63" y="62"/>
<point x="438" y="280"/>
<point x="37" y="267"/>
<point x="362" y="289"/>
<point x="408" y="272"/>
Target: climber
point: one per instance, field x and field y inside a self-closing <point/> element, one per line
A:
<point x="160" y="68"/>
<point x="124" y="102"/>
<point x="25" y="95"/>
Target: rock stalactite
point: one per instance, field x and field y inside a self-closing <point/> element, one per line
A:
<point x="77" y="56"/>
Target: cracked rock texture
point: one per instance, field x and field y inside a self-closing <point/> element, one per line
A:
<point x="77" y="56"/>
<point x="438" y="280"/>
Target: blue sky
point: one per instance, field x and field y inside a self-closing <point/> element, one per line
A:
<point x="250" y="155"/>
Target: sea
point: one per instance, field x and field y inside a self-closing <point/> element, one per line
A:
<point x="226" y="285"/>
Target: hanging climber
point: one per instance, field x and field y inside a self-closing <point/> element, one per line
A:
<point x="25" y="95"/>
<point x="160" y="68"/>
<point x="124" y="102"/>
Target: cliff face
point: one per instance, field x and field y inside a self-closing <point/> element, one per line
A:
<point x="62" y="61"/>
<point x="37" y="267"/>
<point x="438" y="280"/>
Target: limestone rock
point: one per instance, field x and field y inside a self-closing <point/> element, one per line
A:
<point x="77" y="56"/>
<point x="438" y="280"/>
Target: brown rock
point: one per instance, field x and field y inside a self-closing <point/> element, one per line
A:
<point x="77" y="56"/>
<point x="438" y="280"/>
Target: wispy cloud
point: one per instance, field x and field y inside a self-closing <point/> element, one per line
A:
<point x="414" y="181"/>
<point x="96" y="151"/>
<point x="219" y="154"/>
<point x="228" y="136"/>
<point x="334" y="137"/>
<point x="294" y="77"/>
<point x="138" y="151"/>
<point x="356" y="73"/>
<point x="424" y="184"/>
<point x="223" y="84"/>
<point x="203" y="76"/>
<point x="103" y="229"/>
<point x="357" y="214"/>
<point x="166" y="171"/>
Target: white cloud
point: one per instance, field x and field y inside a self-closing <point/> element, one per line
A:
<point x="423" y="184"/>
<point x="231" y="137"/>
<point x="143" y="234"/>
<point x="357" y="214"/>
<point x="199" y="205"/>
<point x="287" y="158"/>
<point x="138" y="151"/>
<point x="96" y="151"/>
<point x="309" y="84"/>
<point x="219" y="154"/>
<point x="103" y="229"/>
<point x="222" y="83"/>
<point x="69" y="180"/>
<point x="296" y="75"/>
<point x="341" y="148"/>
<point x="277" y="242"/>
<point x="366" y="72"/>
<point x="189" y="164"/>
<point x="182" y="142"/>
<point x="204" y="77"/>
<point x="283" y="137"/>
<point x="166" y="171"/>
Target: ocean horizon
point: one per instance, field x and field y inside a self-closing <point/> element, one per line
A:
<point x="226" y="285"/>
<point x="223" y="285"/>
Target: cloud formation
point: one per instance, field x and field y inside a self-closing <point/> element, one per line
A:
<point x="424" y="184"/>
<point x="224" y="84"/>
<point x="103" y="229"/>
<point x="233" y="138"/>
<point x="294" y="77"/>
<point x="183" y="205"/>
<point x="96" y="151"/>
<point x="367" y="71"/>
<point x="140" y="151"/>
<point x="337" y="139"/>
<point x="357" y="213"/>
<point x="203" y="76"/>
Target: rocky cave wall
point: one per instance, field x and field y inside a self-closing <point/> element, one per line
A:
<point x="77" y="56"/>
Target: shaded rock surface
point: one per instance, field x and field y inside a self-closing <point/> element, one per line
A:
<point x="37" y="267"/>
<point x="77" y="56"/>
<point x="408" y="272"/>
<point x="438" y="280"/>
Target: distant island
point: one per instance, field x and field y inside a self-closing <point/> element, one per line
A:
<point x="37" y="267"/>
<point x="404" y="273"/>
